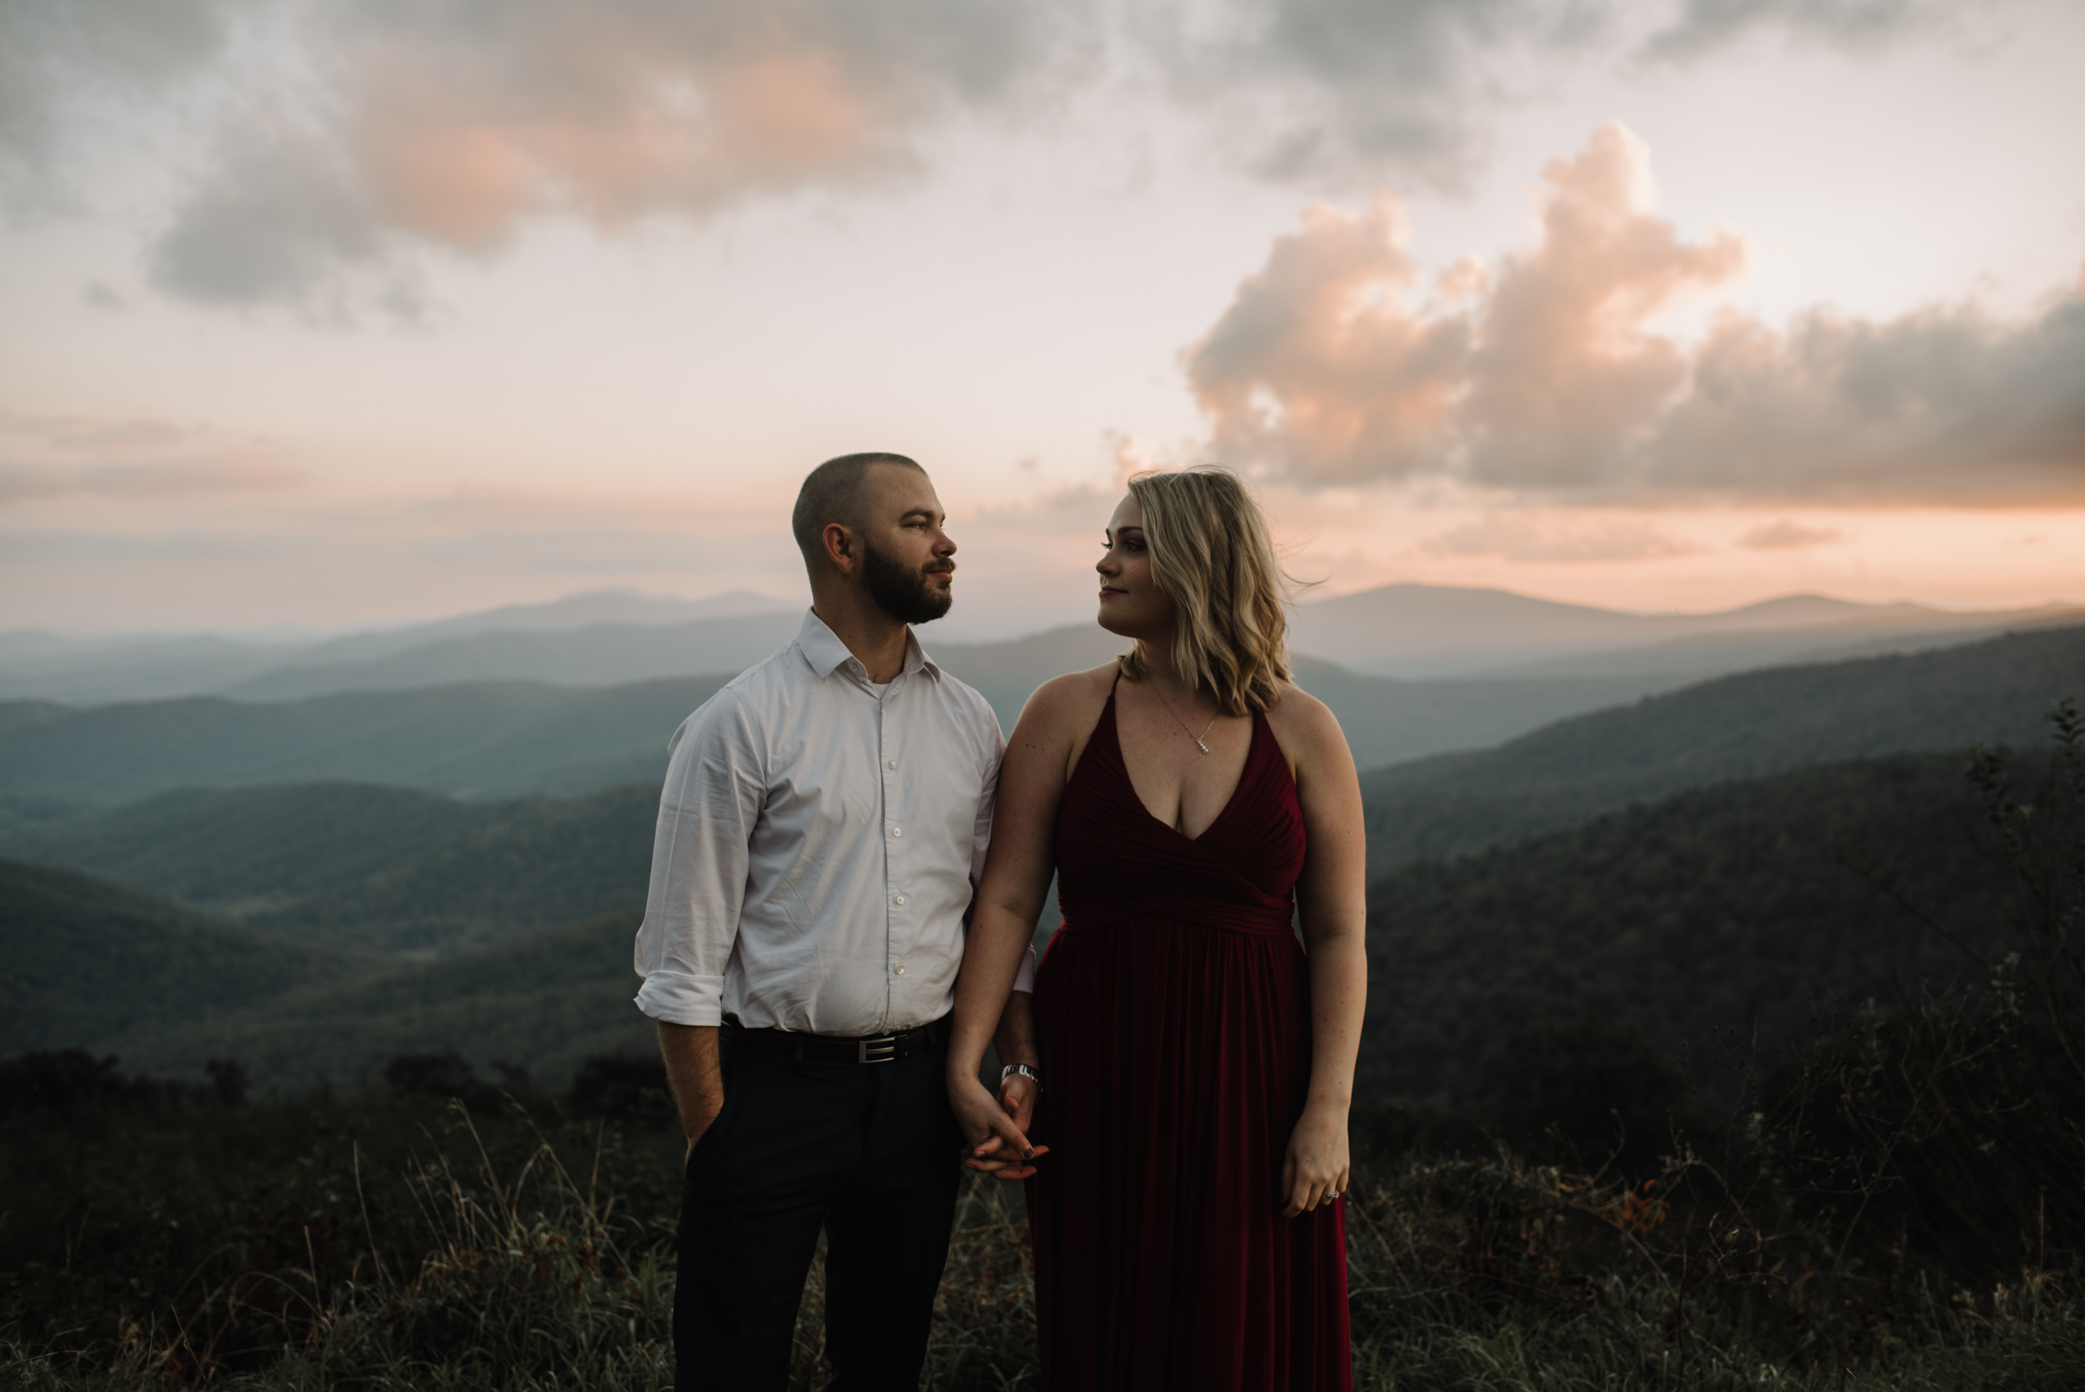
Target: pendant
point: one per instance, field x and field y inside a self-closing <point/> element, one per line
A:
<point x="1201" y="746"/>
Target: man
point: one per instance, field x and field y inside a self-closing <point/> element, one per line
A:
<point x="821" y="833"/>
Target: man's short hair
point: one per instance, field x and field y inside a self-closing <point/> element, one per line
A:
<point x="836" y="491"/>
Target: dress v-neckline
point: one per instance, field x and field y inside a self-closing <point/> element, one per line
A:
<point x="1114" y="717"/>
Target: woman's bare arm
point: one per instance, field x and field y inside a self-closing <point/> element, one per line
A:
<point x="1331" y="896"/>
<point x="1016" y="882"/>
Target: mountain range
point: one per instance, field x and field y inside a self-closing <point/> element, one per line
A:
<point x="1998" y="692"/>
<point x="1410" y="632"/>
<point x="1721" y="924"/>
<point x="1671" y="862"/>
<point x="500" y="739"/>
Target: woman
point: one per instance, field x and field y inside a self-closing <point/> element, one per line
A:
<point x="1185" y="1211"/>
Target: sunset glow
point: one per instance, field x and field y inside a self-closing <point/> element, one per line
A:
<point x="319" y="319"/>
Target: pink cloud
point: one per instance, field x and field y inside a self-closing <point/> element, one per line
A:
<point x="452" y="124"/>
<point x="1323" y="360"/>
<point x="1549" y="374"/>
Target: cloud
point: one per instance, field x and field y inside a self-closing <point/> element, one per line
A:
<point x="339" y="142"/>
<point x="62" y="59"/>
<point x="1785" y="535"/>
<point x="1516" y="537"/>
<point x="1317" y="89"/>
<point x="1331" y="91"/>
<point x="99" y="294"/>
<point x="449" y="124"/>
<point x="1704" y="26"/>
<point x="278" y="219"/>
<point x="1549" y="373"/>
<point x="44" y="457"/>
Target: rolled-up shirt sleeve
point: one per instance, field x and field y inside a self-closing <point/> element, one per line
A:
<point x="715" y="787"/>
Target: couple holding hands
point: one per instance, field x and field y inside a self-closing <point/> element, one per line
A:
<point x="849" y="866"/>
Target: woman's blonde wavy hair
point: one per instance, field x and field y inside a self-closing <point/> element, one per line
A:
<point x="1211" y="554"/>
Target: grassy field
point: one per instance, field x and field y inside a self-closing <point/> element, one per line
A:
<point x="400" y="1242"/>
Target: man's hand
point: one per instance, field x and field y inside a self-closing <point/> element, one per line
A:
<point x="695" y="1074"/>
<point x="994" y="1143"/>
<point x="705" y="1115"/>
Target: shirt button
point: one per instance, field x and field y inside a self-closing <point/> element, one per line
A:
<point x="890" y="763"/>
<point x="897" y="831"/>
<point x="898" y="899"/>
<point x="901" y="971"/>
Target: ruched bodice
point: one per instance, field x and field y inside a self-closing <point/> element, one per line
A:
<point x="1116" y="861"/>
<point x="1173" y="1012"/>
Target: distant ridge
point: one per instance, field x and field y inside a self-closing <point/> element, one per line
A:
<point x="1746" y="726"/>
<point x="161" y="667"/>
<point x="600" y="654"/>
<point x="1430" y="631"/>
<point x="607" y="637"/>
<point x="626" y="608"/>
<point x="500" y="739"/>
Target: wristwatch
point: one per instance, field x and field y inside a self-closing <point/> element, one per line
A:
<point x="1025" y="1071"/>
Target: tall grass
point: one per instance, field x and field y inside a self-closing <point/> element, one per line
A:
<point x="1491" y="1275"/>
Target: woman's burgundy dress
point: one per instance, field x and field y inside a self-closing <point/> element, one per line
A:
<point x="1173" y="1008"/>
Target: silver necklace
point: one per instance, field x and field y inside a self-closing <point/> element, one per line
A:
<point x="1182" y="723"/>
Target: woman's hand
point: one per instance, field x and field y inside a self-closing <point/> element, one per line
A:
<point x="1317" y="1168"/>
<point x="992" y="1133"/>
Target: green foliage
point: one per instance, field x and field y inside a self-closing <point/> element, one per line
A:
<point x="89" y="961"/>
<point x="541" y="1003"/>
<point x="93" y="964"/>
<point x="387" y="869"/>
<point x="1589" y="1092"/>
<point x="1722" y="923"/>
<point x="1750" y="725"/>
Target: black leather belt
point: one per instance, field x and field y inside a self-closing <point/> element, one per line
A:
<point x="827" y="1048"/>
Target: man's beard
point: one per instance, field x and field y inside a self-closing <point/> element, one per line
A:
<point x="905" y="595"/>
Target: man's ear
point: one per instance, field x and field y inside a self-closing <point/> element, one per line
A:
<point x="842" y="550"/>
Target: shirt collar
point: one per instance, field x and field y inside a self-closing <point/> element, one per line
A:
<point x="825" y="652"/>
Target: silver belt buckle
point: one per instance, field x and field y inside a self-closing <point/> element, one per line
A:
<point x="882" y="1050"/>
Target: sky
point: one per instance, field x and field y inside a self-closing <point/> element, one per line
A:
<point x="317" y="314"/>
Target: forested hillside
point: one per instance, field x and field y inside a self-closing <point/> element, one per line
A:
<point x="1713" y="921"/>
<point x="1694" y="920"/>
<point x="540" y="1003"/>
<point x="487" y="740"/>
<point x="352" y="865"/>
<point x="1743" y="726"/>
<point x="94" y="965"/>
<point x="88" y="961"/>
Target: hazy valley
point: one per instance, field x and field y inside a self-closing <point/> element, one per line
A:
<point x="353" y="917"/>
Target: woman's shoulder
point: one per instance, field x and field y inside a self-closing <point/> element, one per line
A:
<point x="1073" y="697"/>
<point x="1306" y="726"/>
<point x="1074" y="692"/>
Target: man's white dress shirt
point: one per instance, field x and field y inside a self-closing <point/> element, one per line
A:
<point x="818" y="846"/>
